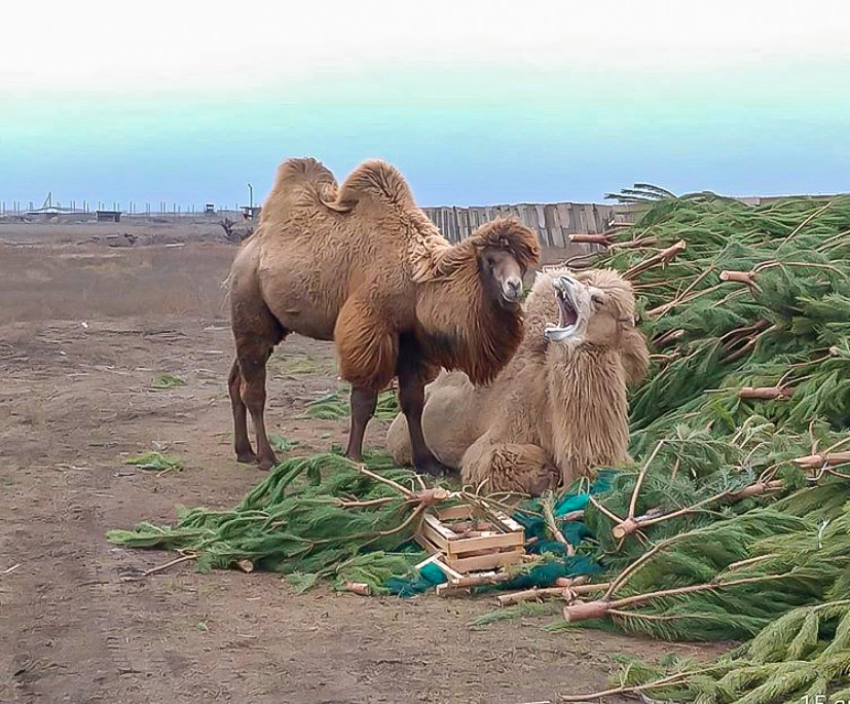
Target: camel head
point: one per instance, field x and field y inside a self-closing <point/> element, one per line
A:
<point x="501" y="277"/>
<point x="505" y="249"/>
<point x="593" y="308"/>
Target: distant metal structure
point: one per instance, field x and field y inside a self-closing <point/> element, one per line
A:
<point x="109" y="216"/>
<point x="251" y="212"/>
<point x="209" y="209"/>
<point x="49" y="208"/>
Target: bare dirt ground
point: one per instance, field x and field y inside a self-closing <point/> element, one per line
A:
<point x="84" y="328"/>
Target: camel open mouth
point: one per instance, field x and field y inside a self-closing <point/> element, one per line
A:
<point x="567" y="310"/>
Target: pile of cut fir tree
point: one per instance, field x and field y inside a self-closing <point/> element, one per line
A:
<point x="733" y="522"/>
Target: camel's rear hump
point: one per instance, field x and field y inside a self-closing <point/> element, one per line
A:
<point x="377" y="180"/>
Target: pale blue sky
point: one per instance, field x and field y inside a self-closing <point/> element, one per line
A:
<point x="476" y="102"/>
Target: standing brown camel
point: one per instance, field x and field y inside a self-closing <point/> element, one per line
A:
<point x="363" y="266"/>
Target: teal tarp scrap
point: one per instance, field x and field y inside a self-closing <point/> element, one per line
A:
<point x="429" y="577"/>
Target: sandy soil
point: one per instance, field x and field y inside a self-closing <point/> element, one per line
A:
<point x="84" y="329"/>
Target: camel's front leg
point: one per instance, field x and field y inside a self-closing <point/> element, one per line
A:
<point x="411" y="395"/>
<point x="363" y="404"/>
<point x="506" y="466"/>
<point x="367" y="351"/>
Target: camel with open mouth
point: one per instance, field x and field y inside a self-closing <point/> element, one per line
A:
<point x="560" y="408"/>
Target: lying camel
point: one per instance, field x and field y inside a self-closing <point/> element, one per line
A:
<point x="559" y="409"/>
<point x="363" y="266"/>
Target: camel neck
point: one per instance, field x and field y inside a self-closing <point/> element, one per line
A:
<point x="589" y="409"/>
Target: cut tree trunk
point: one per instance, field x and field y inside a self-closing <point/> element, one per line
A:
<point x="767" y="393"/>
<point x="817" y="461"/>
<point x="741" y="277"/>
<point x="589" y="238"/>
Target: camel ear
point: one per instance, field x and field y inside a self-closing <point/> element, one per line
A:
<point x="634" y="353"/>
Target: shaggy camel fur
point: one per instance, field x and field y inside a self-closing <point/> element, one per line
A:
<point x="559" y="408"/>
<point x="363" y="266"/>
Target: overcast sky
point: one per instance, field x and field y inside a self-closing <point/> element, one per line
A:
<point x="476" y="102"/>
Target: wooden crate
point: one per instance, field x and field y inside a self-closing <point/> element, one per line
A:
<point x="501" y="546"/>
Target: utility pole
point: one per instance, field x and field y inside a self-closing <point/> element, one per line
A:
<point x="251" y="199"/>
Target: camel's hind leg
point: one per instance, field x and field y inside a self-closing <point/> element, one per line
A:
<point x="253" y="368"/>
<point x="509" y="467"/>
<point x="244" y="452"/>
<point x="256" y="332"/>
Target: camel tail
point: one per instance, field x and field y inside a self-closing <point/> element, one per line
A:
<point x="226" y="287"/>
<point x="304" y="181"/>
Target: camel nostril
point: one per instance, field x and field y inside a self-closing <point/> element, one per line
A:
<point x="512" y="290"/>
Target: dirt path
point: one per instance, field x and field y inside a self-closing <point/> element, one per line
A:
<point x="76" y="623"/>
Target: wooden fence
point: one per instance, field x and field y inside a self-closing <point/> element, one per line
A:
<point x="553" y="222"/>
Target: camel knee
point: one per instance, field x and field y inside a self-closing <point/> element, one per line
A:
<point x="252" y="372"/>
<point x="234" y="384"/>
<point x="253" y="395"/>
<point x="233" y="375"/>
